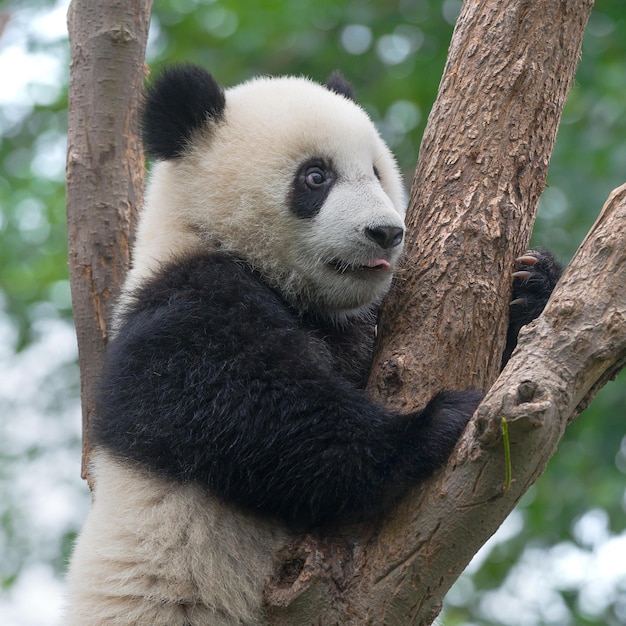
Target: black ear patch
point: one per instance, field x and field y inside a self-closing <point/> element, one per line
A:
<point x="180" y="100"/>
<point x="337" y="83"/>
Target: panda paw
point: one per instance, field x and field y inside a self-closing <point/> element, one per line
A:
<point x="430" y="436"/>
<point x="534" y="280"/>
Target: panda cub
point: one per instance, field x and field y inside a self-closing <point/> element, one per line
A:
<point x="231" y="411"/>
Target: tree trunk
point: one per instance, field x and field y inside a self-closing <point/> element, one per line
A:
<point x="105" y="169"/>
<point x="482" y="167"/>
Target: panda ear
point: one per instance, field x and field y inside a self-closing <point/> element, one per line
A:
<point x="180" y="100"/>
<point x="337" y="83"/>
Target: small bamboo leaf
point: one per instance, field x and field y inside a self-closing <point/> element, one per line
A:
<point x="504" y="426"/>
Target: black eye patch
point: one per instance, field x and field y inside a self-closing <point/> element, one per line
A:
<point x="311" y="186"/>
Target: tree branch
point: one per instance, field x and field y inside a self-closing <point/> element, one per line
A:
<point x="105" y="169"/>
<point x="482" y="167"/>
<point x="562" y="359"/>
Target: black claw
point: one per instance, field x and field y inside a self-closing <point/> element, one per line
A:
<point x="522" y="274"/>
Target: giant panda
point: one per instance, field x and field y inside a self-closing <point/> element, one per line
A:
<point x="231" y="413"/>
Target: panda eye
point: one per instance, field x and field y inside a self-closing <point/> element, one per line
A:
<point x="314" y="178"/>
<point x="311" y="186"/>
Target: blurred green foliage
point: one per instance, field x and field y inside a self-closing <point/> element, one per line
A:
<point x="394" y="52"/>
<point x="33" y="256"/>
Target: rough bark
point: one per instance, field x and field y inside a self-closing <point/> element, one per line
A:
<point x="105" y="168"/>
<point x="482" y="167"/>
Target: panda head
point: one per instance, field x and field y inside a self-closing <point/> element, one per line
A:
<point x="286" y="174"/>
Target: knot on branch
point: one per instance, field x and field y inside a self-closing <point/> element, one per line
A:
<point x="529" y="407"/>
<point x="393" y="371"/>
<point x="307" y="563"/>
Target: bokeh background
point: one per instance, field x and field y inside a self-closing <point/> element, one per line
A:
<point x="560" y="558"/>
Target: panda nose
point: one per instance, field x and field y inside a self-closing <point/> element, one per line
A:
<point x="385" y="236"/>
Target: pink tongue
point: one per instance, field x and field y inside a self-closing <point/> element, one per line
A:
<point x="379" y="264"/>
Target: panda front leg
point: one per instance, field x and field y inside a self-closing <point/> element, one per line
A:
<point x="212" y="380"/>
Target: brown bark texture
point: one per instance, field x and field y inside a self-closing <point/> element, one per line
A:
<point x="482" y="167"/>
<point x="105" y="169"/>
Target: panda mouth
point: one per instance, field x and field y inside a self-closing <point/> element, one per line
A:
<point x="376" y="265"/>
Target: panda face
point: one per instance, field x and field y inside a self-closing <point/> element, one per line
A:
<point x="291" y="177"/>
<point x="349" y="235"/>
